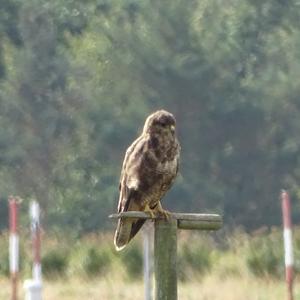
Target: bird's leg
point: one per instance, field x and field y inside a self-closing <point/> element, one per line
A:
<point x="162" y="211"/>
<point x="147" y="209"/>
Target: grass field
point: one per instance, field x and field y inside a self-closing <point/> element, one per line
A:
<point x="242" y="267"/>
<point x="209" y="288"/>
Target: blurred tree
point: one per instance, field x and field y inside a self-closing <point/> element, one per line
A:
<point x="86" y="74"/>
<point x="8" y="28"/>
<point x="38" y="110"/>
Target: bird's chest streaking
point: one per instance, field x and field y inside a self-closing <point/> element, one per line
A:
<point x="159" y="167"/>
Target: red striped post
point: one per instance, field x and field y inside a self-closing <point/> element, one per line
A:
<point x="13" y="246"/>
<point x="288" y="244"/>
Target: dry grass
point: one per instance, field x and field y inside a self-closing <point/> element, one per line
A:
<point x="229" y="278"/>
<point x="210" y="288"/>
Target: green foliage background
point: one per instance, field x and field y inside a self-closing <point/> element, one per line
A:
<point x="78" y="78"/>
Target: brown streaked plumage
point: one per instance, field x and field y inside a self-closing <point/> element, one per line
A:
<point x="149" y="169"/>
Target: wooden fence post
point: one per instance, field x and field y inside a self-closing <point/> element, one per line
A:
<point x="165" y="259"/>
<point x="165" y="245"/>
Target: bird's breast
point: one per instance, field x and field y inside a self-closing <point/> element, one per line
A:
<point x="167" y="167"/>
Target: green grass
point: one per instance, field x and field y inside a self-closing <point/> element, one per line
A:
<point x="210" y="287"/>
<point x="240" y="267"/>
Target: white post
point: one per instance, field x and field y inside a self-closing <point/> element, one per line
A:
<point x="33" y="286"/>
<point x="288" y="243"/>
<point x="148" y="259"/>
<point x="35" y="229"/>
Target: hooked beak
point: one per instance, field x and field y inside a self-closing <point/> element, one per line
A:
<point x="172" y="128"/>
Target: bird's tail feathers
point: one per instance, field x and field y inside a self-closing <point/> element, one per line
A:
<point x="122" y="234"/>
<point x="136" y="226"/>
<point x="125" y="231"/>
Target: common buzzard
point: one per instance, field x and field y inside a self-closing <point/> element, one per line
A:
<point x="149" y="169"/>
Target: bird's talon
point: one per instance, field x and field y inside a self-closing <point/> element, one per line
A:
<point x="151" y="214"/>
<point x="149" y="211"/>
<point x="166" y="214"/>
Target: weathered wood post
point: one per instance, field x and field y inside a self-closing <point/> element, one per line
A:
<point x="165" y="245"/>
<point x="165" y="259"/>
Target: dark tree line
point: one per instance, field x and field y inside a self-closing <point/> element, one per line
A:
<point x="77" y="80"/>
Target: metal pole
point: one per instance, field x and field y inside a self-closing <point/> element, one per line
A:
<point x="148" y="259"/>
<point x="165" y="259"/>
<point x="33" y="287"/>
<point x="36" y="240"/>
<point x="288" y="244"/>
<point x="13" y="246"/>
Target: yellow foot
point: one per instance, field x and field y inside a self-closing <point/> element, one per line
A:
<point x="149" y="211"/>
<point x="162" y="211"/>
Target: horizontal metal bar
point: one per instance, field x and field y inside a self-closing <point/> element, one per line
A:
<point x="185" y="220"/>
<point x="197" y="217"/>
<point x="199" y="225"/>
<point x="132" y="214"/>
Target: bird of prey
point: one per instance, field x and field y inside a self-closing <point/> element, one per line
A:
<point x="149" y="169"/>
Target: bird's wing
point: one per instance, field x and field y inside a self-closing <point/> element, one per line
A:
<point x="128" y="179"/>
<point x="129" y="184"/>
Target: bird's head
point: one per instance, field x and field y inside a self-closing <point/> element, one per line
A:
<point x="160" y="122"/>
